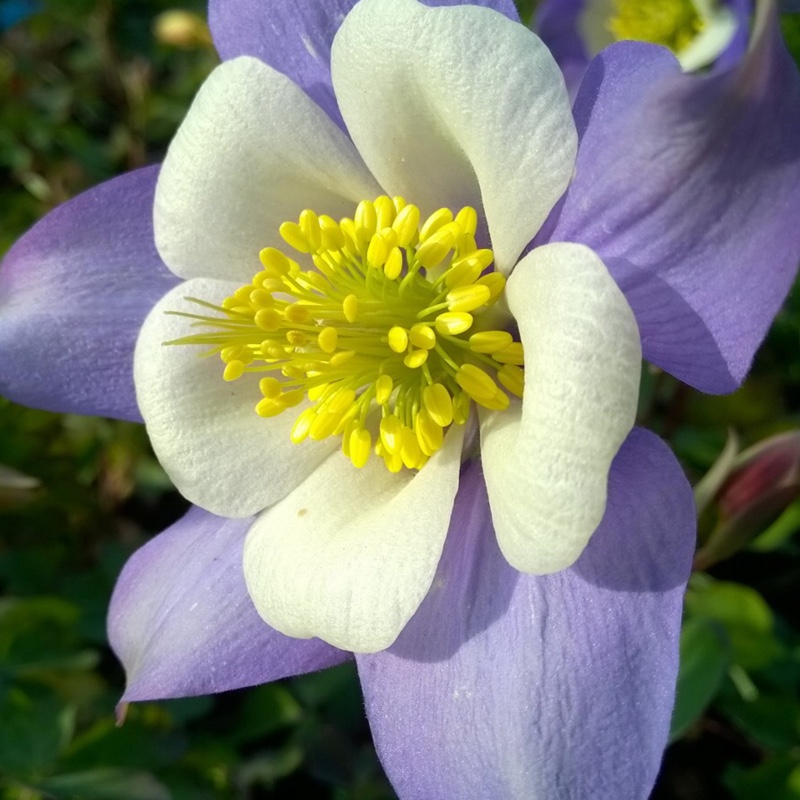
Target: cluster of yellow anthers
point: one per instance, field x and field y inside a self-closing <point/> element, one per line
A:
<point x="673" y="23"/>
<point x="382" y="320"/>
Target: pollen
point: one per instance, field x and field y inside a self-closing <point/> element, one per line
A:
<point x="376" y="324"/>
<point x="672" y="23"/>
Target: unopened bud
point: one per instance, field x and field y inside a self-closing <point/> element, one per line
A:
<point x="757" y="486"/>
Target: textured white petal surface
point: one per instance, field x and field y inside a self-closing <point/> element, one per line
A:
<point x="253" y="152"/>
<point x="351" y="553"/>
<point x="546" y="461"/>
<point x="453" y="106"/>
<point x="218" y="452"/>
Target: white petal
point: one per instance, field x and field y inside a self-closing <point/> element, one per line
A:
<point x="218" y="452"/>
<point x="719" y="27"/>
<point x="350" y="554"/>
<point x="253" y="152"/>
<point x="453" y="106"/>
<point x="546" y="463"/>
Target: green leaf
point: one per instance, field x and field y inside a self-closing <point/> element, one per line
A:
<point x="776" y="779"/>
<point x="705" y="656"/>
<point x="773" y="720"/>
<point x="102" y="784"/>
<point x="35" y="726"/>
<point x="746" y="617"/>
<point x="268" y="709"/>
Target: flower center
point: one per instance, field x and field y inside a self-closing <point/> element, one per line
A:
<point x="388" y="318"/>
<point x="672" y="23"/>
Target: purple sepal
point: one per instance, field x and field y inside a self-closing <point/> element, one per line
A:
<point x="73" y="294"/>
<point x="517" y="686"/>
<point x="182" y="624"/>
<point x="691" y="184"/>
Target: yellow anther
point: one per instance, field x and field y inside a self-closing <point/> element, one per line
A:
<point x="394" y="462"/>
<point x="342" y="357"/>
<point x="332" y="238"/>
<point x="398" y="339"/>
<point x="415" y="359"/>
<point x="394" y="264"/>
<point x="467" y="271"/>
<point x="348" y="420"/>
<point x="309" y="225"/>
<point x="495" y="283"/>
<point x="261" y="299"/>
<point x="406" y="225"/>
<point x="346" y="431"/>
<point x="468" y="298"/>
<point x="432" y="251"/>
<point x="350" y="308"/>
<point x="296" y="314"/>
<point x="466" y="244"/>
<point x="291" y="371"/>
<point x="323" y="426"/>
<point x="512" y="378"/>
<point x="302" y="425"/>
<point x="328" y="339"/>
<point x="438" y="404"/>
<point x="366" y="221"/>
<point x="399" y="203"/>
<point x="291" y="399"/>
<point x="273" y="351"/>
<point x="411" y="453"/>
<point x="315" y="392"/>
<point x="498" y="402"/>
<point x="234" y="353"/>
<point x="461" y="403"/>
<point x="348" y="228"/>
<point x="391" y="430"/>
<point x="313" y="280"/>
<point x="270" y="387"/>
<point x="360" y="442"/>
<point x="297" y="338"/>
<point x="451" y="323"/>
<point x="422" y="336"/>
<point x="275" y="263"/>
<point x="243" y="293"/>
<point x="267" y="407"/>
<point x="341" y="401"/>
<point x="233" y="370"/>
<point x="467" y="220"/>
<point x="377" y="251"/>
<point x="273" y="285"/>
<point x="384" y="211"/>
<point x="429" y="435"/>
<point x="435" y="221"/>
<point x="293" y="235"/>
<point x="489" y="341"/>
<point x="475" y="382"/>
<point x="510" y="355"/>
<point x="383" y="389"/>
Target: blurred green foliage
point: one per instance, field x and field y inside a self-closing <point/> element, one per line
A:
<point x="89" y="91"/>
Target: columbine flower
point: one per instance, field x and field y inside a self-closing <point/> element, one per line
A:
<point x="494" y="682"/>
<point x="698" y="32"/>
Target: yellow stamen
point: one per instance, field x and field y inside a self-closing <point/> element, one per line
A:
<point x="367" y="332"/>
<point x="672" y="23"/>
